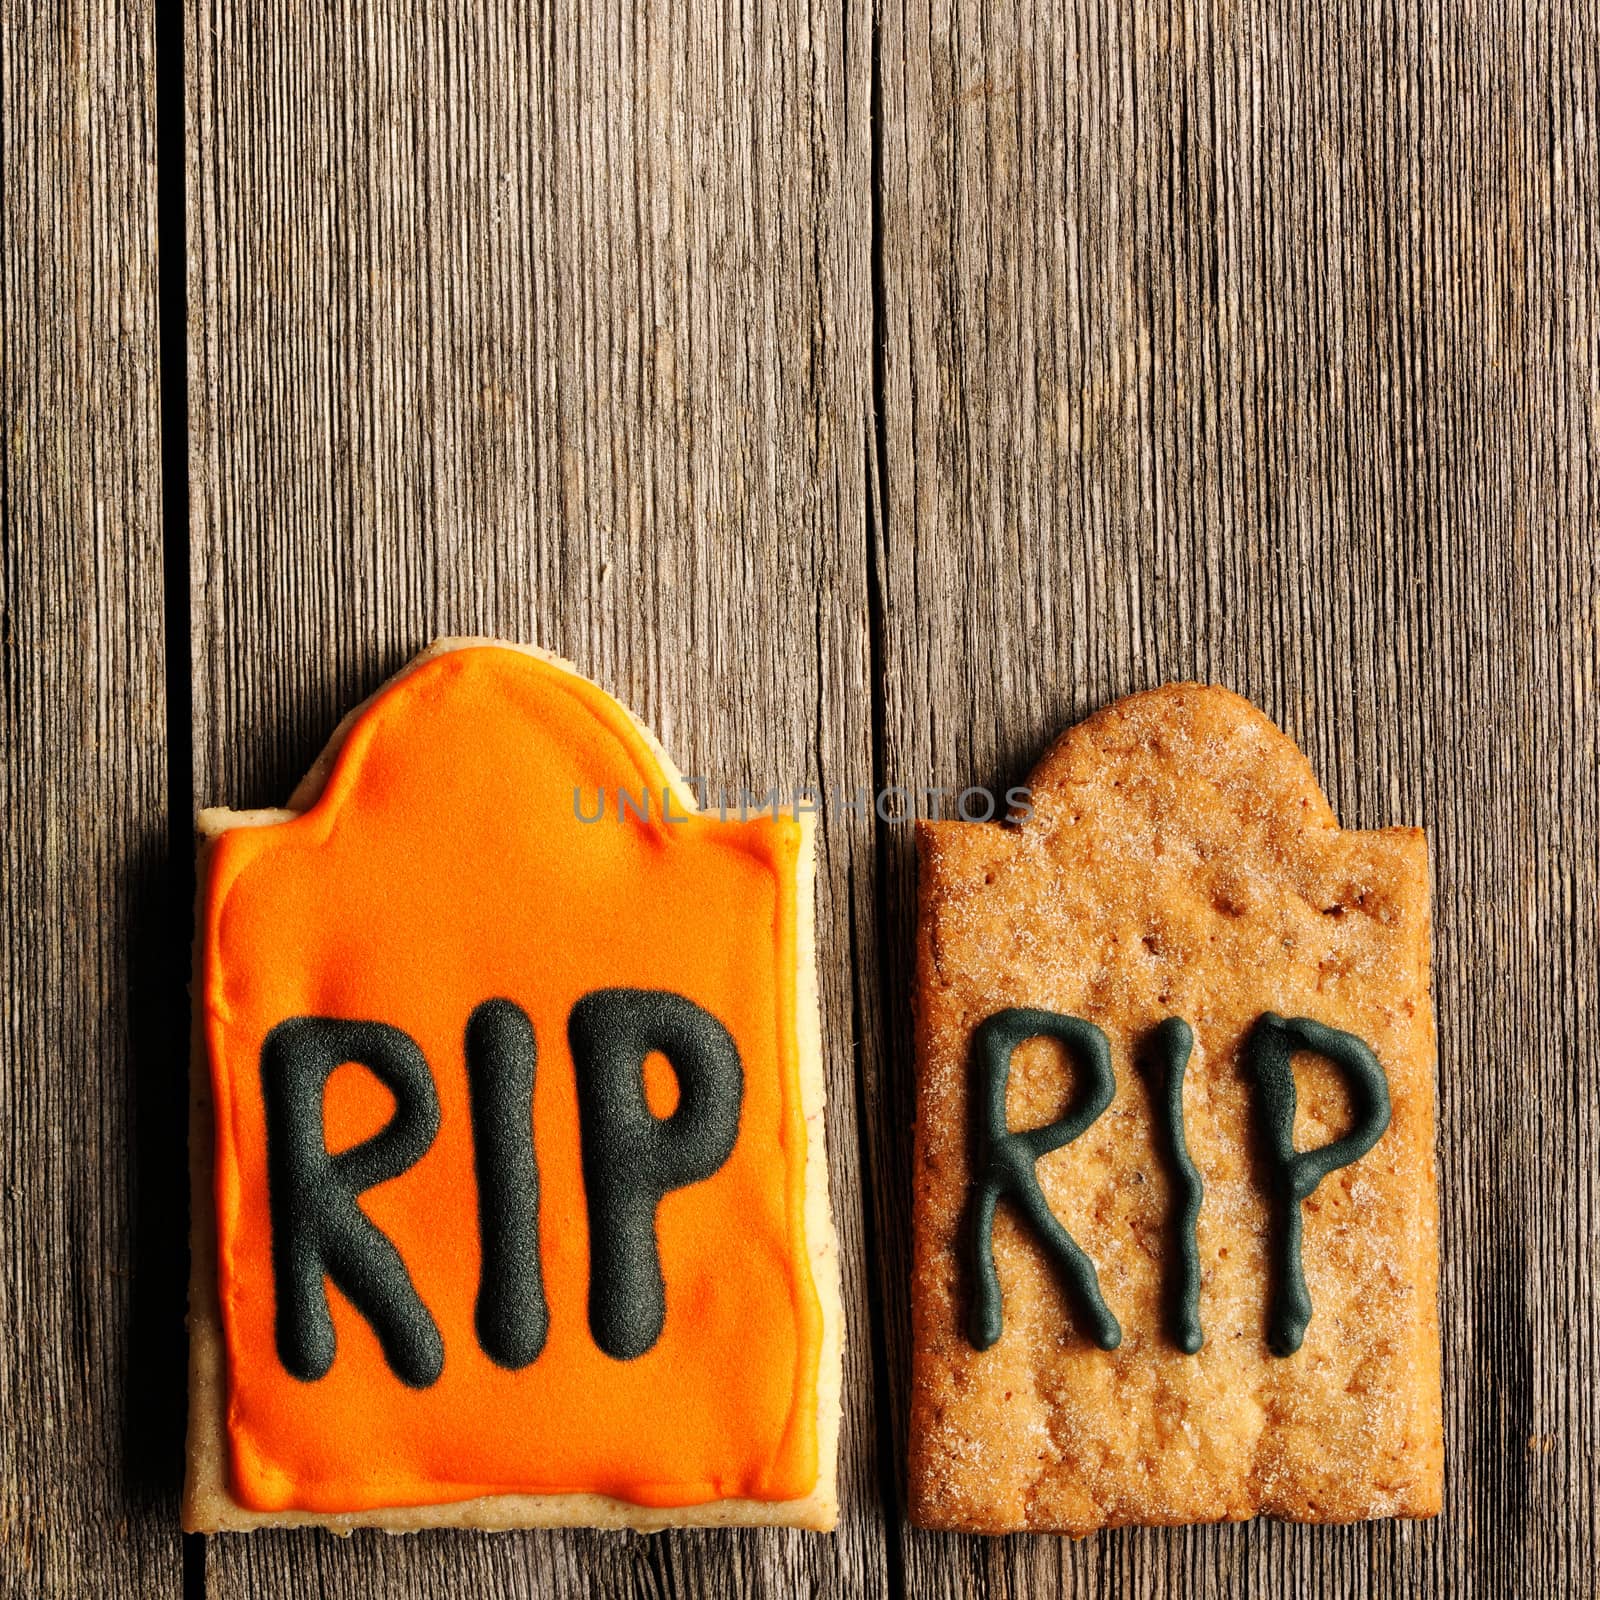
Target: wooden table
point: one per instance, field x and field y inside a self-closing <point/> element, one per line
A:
<point x="862" y="393"/>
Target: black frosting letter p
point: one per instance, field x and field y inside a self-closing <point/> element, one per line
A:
<point x="631" y="1157"/>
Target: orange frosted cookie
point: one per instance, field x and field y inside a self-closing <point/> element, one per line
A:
<point x="510" y="1192"/>
<point x="1176" y="1250"/>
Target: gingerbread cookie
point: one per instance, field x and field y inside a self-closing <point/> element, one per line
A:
<point x="1176" y="1251"/>
<point x="510" y="1191"/>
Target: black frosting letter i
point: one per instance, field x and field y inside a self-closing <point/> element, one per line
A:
<point x="513" y="1316"/>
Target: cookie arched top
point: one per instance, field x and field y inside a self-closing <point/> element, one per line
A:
<point x="1174" y="754"/>
<point x="641" y="759"/>
<point x="1188" y="790"/>
<point x="517" y="738"/>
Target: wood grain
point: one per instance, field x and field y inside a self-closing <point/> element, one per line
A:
<point x="90" y="1252"/>
<point x="1260" y="345"/>
<point x="550" y="324"/>
<point x="860" y="396"/>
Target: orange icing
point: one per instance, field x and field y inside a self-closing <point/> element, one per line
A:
<point x="443" y="865"/>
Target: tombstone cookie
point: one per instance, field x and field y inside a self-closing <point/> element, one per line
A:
<point x="510" y="1193"/>
<point x="1176" y="1250"/>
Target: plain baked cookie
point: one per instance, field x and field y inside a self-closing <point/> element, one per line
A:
<point x="1180" y="863"/>
<point x="509" y="1182"/>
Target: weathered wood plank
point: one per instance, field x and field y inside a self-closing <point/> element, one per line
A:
<point x="552" y="324"/>
<point x="1260" y="344"/>
<point x="91" y="1397"/>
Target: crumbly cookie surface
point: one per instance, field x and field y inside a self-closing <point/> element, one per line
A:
<point x="1181" y="860"/>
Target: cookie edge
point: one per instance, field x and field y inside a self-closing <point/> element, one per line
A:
<point x="924" y="1510"/>
<point x="208" y="1505"/>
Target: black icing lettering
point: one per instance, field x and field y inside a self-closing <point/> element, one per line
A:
<point x="318" y="1231"/>
<point x="1269" y="1059"/>
<point x="631" y="1157"/>
<point x="1005" y="1161"/>
<point x="513" y="1316"/>
<point x="1167" y="1058"/>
